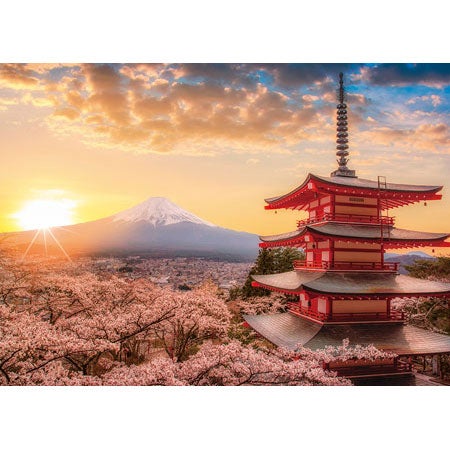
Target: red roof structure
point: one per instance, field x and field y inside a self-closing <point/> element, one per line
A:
<point x="344" y="278"/>
<point x="315" y="186"/>
<point x="355" y="232"/>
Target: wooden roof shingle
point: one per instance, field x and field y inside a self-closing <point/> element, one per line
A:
<point x="288" y="331"/>
<point x="351" y="283"/>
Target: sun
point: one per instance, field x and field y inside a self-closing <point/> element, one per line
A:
<point x="45" y="213"/>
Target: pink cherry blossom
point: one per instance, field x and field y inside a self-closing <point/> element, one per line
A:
<point x="68" y="326"/>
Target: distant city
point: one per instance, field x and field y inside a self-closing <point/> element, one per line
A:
<point x="178" y="273"/>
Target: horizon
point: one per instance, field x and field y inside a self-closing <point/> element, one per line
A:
<point x="104" y="137"/>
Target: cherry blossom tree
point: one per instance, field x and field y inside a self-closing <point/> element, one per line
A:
<point x="30" y="347"/>
<point x="198" y="315"/>
<point x="113" y="315"/>
<point x="20" y="343"/>
<point x="231" y="364"/>
<point x="262" y="305"/>
<point x="82" y="321"/>
<point x="162" y="371"/>
<point x="234" y="364"/>
<point x="86" y="329"/>
<point x="346" y="351"/>
<point x="15" y="282"/>
<point x="430" y="313"/>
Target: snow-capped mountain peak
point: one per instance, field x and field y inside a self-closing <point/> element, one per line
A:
<point x="158" y="211"/>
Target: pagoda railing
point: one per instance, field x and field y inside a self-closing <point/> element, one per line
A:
<point x="326" y="265"/>
<point x="347" y="218"/>
<point x="364" y="367"/>
<point x="297" y="309"/>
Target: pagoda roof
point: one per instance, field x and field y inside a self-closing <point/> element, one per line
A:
<point x="288" y="331"/>
<point x="395" y="194"/>
<point x="371" y="184"/>
<point x="353" y="283"/>
<point x="353" y="232"/>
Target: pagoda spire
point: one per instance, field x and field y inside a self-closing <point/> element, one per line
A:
<point x="342" y="134"/>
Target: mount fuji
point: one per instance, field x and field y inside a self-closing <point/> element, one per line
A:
<point x="155" y="227"/>
<point x="158" y="211"/>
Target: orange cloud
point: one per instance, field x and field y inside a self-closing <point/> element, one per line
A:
<point x="152" y="108"/>
<point x="17" y="76"/>
<point x="431" y="137"/>
<point x="6" y="102"/>
<point x="169" y="115"/>
<point x="68" y="113"/>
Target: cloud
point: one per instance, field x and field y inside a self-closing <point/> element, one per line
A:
<point x="170" y="114"/>
<point x="207" y="108"/>
<point x="231" y="74"/>
<point x="435" y="100"/>
<point x="285" y="76"/>
<point x="357" y="99"/>
<point x="17" y="76"/>
<point x="7" y="102"/>
<point x="107" y="93"/>
<point x="310" y="98"/>
<point x="439" y="133"/>
<point x="425" y="137"/>
<point x="68" y="113"/>
<point x="37" y="100"/>
<point x="297" y="75"/>
<point x="437" y="75"/>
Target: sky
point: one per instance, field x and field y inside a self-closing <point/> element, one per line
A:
<point x="216" y="139"/>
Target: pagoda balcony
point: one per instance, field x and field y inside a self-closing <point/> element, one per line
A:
<point x="298" y="310"/>
<point x="380" y="367"/>
<point x="347" y="218"/>
<point x="346" y="266"/>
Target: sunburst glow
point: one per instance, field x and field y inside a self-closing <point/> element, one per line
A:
<point x="45" y="213"/>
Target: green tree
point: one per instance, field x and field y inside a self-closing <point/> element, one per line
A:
<point x="432" y="313"/>
<point x="269" y="261"/>
<point x="284" y="257"/>
<point x="425" y="268"/>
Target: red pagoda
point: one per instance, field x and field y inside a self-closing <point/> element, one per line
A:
<point x="344" y="287"/>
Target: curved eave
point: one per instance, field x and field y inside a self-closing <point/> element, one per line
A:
<point x="298" y="198"/>
<point x="353" y="296"/>
<point x="388" y="244"/>
<point x="288" y="331"/>
<point x="283" y="240"/>
<point x="348" y="285"/>
<point x="362" y="231"/>
<point x="297" y="238"/>
<point x="395" y="195"/>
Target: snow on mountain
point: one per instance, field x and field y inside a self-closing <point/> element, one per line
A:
<point x="158" y="211"/>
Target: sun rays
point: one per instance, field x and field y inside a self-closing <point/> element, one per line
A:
<point x="44" y="232"/>
<point x="42" y="215"/>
